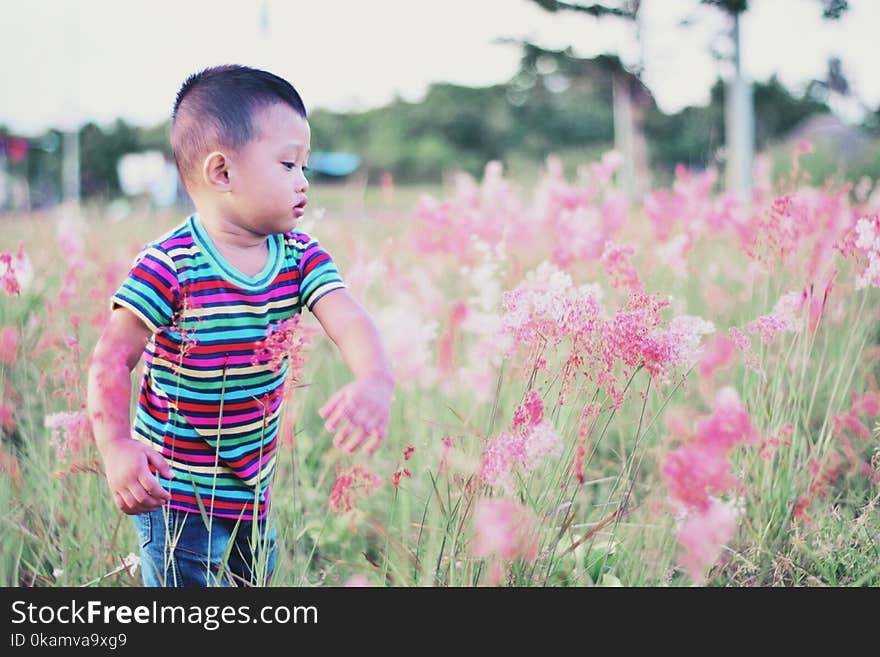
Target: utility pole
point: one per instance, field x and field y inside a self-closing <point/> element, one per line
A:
<point x="740" y="123"/>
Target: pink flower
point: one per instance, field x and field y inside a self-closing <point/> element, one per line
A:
<point x="694" y="473"/>
<point x="784" y="317"/>
<point x="282" y="343"/>
<point x="676" y="347"/>
<point x="618" y="263"/>
<point x="744" y="345"/>
<point x="508" y="452"/>
<point x="69" y="432"/>
<point x="357" y="581"/>
<point x="504" y="529"/>
<point x="350" y="485"/>
<point x="15" y="271"/>
<point x="401" y="471"/>
<point x="699" y="471"/>
<point x="719" y="354"/>
<point x="606" y="168"/>
<point x="7" y="416"/>
<point x="541" y="441"/>
<point x="499" y="457"/>
<point x="530" y="412"/>
<point x="9" y="341"/>
<point x="703" y="534"/>
<point x="444" y="454"/>
<point x="446" y="344"/>
<point x="729" y="424"/>
<point x="868" y="241"/>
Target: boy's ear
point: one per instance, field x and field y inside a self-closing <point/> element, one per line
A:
<point x="215" y="171"/>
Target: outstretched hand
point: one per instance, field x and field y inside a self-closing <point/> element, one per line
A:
<point x="358" y="413"/>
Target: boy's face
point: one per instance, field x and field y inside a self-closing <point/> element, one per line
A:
<point x="266" y="175"/>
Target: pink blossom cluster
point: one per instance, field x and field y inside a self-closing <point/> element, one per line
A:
<point x="286" y="342"/>
<point x="719" y="353"/>
<point x="70" y="432"/>
<point x="546" y="310"/>
<point x="784" y="317"/>
<point x="691" y="205"/>
<point x="15" y="271"/>
<point x="866" y="404"/>
<point x="488" y="211"/>
<point x="530" y="412"/>
<point x="579" y="217"/>
<point x="677" y="347"/>
<point x="868" y="241"/>
<point x="10" y="338"/>
<point x="617" y="259"/>
<point x="532" y="440"/>
<point x="744" y="345"/>
<point x="504" y="529"/>
<point x="699" y="471"/>
<point x="402" y="471"/>
<point x="524" y="451"/>
<point x="350" y="485"/>
<point x="801" y="231"/>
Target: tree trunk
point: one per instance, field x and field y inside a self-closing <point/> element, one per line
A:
<point x="629" y="137"/>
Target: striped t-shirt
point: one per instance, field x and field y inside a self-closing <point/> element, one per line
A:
<point x="208" y="402"/>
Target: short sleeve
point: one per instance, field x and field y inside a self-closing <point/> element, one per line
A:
<point x="151" y="289"/>
<point x="318" y="273"/>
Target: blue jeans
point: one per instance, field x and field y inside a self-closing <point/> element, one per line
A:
<point x="175" y="550"/>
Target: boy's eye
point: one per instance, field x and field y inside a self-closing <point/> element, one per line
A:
<point x="292" y="165"/>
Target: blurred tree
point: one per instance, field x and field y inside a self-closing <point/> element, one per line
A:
<point x="740" y="110"/>
<point x="630" y="95"/>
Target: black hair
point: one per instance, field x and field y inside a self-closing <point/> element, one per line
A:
<point x="215" y="108"/>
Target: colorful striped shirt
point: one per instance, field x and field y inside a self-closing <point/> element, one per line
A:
<point x="208" y="402"/>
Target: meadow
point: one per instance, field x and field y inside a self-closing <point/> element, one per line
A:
<point x="590" y="390"/>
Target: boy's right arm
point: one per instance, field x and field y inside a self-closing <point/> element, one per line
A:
<point x="126" y="460"/>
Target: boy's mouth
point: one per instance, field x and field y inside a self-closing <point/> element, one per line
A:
<point x="299" y="208"/>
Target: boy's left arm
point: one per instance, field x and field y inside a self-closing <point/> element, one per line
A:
<point x="358" y="412"/>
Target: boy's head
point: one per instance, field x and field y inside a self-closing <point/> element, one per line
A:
<point x="239" y="129"/>
<point x="216" y="108"/>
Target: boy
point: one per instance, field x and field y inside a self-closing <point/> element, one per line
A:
<point x="205" y="300"/>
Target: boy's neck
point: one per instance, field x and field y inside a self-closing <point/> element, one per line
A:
<point x="225" y="232"/>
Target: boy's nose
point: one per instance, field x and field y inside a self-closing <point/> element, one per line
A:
<point x="302" y="184"/>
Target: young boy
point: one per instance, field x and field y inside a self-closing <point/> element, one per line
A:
<point x="199" y="303"/>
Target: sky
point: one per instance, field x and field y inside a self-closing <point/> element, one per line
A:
<point x="63" y="63"/>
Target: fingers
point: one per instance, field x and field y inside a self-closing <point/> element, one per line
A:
<point x="152" y="487"/>
<point x="331" y="405"/>
<point x="359" y="433"/>
<point x="342" y="434"/>
<point x="141" y="496"/>
<point x="354" y="439"/>
<point x="158" y="462"/>
<point x="374" y="439"/>
<point x="126" y="503"/>
<point x="143" y="500"/>
<point x="335" y="416"/>
<point x="357" y="421"/>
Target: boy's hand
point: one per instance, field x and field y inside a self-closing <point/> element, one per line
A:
<point x="358" y="413"/>
<point x="135" y="489"/>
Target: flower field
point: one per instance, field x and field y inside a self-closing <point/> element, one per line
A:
<point x="590" y="390"/>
